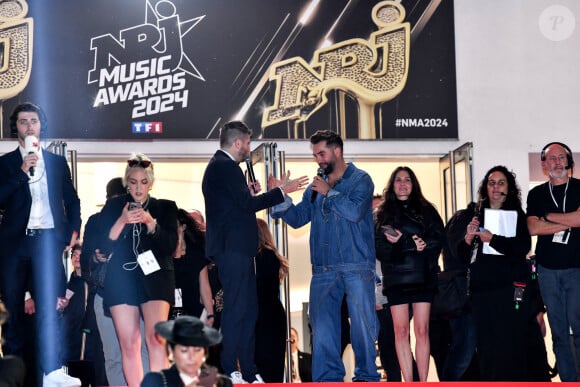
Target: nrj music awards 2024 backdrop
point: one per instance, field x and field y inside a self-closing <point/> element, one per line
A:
<point x="178" y="69"/>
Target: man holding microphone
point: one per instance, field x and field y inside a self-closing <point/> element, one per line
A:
<point x="41" y="219"/>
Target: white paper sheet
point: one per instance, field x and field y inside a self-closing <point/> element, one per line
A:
<point x="499" y="222"/>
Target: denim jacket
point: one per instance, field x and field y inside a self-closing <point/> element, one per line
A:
<point x="341" y="229"/>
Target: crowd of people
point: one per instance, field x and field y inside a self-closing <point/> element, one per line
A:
<point x="159" y="296"/>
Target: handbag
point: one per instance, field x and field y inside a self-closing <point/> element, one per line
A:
<point x="99" y="273"/>
<point x="452" y="297"/>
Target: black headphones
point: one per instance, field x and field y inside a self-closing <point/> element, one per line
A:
<point x="27" y="107"/>
<point x="569" y="158"/>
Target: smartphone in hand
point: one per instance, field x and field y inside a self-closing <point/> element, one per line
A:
<point x="208" y="377"/>
<point x="134" y="205"/>
<point x="389" y="230"/>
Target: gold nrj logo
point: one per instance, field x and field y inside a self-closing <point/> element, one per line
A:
<point x="16" y="32"/>
<point x="372" y="71"/>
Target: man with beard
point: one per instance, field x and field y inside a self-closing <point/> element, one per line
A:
<point x="342" y="252"/>
<point x="232" y="243"/>
<point x="554" y="216"/>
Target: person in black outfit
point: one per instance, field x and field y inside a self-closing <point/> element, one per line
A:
<point x="271" y="268"/>
<point x="232" y="243"/>
<point x="499" y="273"/>
<point x="140" y="236"/>
<point x="453" y="340"/>
<point x="12" y="369"/>
<point x="84" y="356"/>
<point x="191" y="285"/>
<point x="301" y="361"/>
<point x="187" y="341"/>
<point x="408" y="240"/>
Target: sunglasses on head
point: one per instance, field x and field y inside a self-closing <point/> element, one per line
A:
<point x="140" y="163"/>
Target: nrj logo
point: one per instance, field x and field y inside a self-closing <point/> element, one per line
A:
<point x="373" y="71"/>
<point x="145" y="63"/>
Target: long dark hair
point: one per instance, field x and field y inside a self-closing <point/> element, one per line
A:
<point x="193" y="233"/>
<point x="390" y="210"/>
<point x="513" y="199"/>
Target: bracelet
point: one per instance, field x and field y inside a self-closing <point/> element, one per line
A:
<point x="154" y="227"/>
<point x="210" y="316"/>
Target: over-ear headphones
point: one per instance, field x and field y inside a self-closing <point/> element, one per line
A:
<point x="27" y="107"/>
<point x="569" y="158"/>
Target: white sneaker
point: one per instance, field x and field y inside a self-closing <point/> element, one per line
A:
<point x="236" y="378"/>
<point x="258" y="380"/>
<point x="58" y="378"/>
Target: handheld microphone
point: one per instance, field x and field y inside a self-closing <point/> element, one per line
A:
<point x="503" y="194"/>
<point x="31" y="146"/>
<point x="251" y="174"/>
<point x="320" y="173"/>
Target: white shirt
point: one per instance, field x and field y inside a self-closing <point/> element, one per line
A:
<point x="40" y="214"/>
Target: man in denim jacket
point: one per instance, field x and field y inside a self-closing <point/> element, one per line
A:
<point x="342" y="252"/>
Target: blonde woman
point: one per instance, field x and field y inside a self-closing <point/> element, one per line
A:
<point x="139" y="235"/>
<point x="271" y="268"/>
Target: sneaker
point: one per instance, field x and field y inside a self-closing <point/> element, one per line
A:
<point x="58" y="378"/>
<point x="236" y="378"/>
<point x="258" y="379"/>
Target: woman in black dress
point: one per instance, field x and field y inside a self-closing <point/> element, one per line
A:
<point x="271" y="268"/>
<point x="408" y="240"/>
<point x="140" y="235"/>
<point x="499" y="273"/>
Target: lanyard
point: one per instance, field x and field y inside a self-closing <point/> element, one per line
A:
<point x="563" y="201"/>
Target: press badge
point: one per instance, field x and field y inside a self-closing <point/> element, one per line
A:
<point x="561" y="237"/>
<point x="148" y="262"/>
<point x="178" y="299"/>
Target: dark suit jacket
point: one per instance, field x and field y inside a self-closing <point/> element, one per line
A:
<point x="230" y="209"/>
<point x="172" y="379"/>
<point x="162" y="243"/>
<point x="305" y="366"/>
<point x="15" y="199"/>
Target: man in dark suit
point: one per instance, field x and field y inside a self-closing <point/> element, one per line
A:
<point x="232" y="242"/>
<point x="41" y="220"/>
<point x="303" y="372"/>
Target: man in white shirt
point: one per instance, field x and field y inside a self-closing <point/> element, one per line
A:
<point x="41" y="219"/>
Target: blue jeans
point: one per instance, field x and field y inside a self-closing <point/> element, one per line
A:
<point x="561" y="293"/>
<point x="462" y="347"/>
<point x="327" y="289"/>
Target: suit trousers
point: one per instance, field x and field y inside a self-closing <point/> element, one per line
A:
<point x="39" y="259"/>
<point x="238" y="278"/>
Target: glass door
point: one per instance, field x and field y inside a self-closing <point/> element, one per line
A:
<point x="456" y="179"/>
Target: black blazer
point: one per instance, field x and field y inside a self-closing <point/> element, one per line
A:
<point x="162" y="243"/>
<point x="305" y="366"/>
<point x="16" y="200"/>
<point x="172" y="379"/>
<point x="230" y="209"/>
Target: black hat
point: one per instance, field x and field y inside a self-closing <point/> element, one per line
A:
<point x="188" y="331"/>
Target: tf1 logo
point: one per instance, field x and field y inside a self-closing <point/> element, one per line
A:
<point x="147" y="127"/>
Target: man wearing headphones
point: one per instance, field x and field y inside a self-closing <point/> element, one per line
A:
<point x="554" y="216"/>
<point x="41" y="219"/>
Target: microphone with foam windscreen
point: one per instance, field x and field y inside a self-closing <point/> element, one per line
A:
<point x="31" y="146"/>
<point x="251" y="174"/>
<point x="320" y="173"/>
